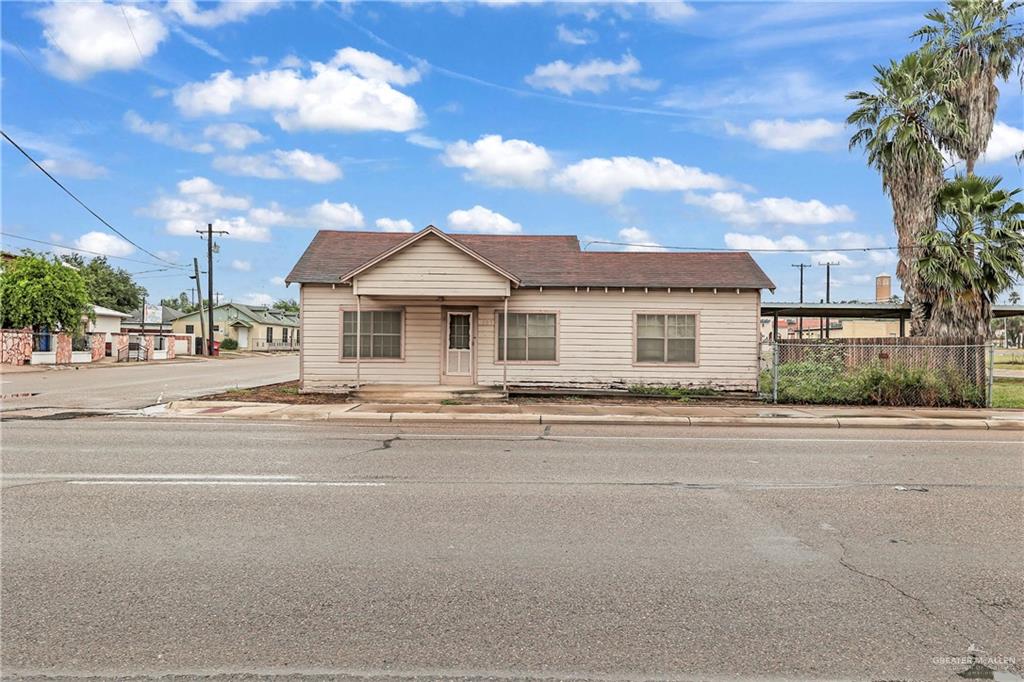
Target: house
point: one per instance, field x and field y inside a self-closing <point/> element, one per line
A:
<point x="255" y="328"/>
<point x="430" y="308"/>
<point x="107" y="322"/>
<point x="133" y="324"/>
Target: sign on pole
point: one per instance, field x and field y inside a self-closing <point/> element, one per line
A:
<point x="152" y="315"/>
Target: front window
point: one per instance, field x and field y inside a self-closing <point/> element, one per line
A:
<point x="284" y="335"/>
<point x="159" y="343"/>
<point x="667" y="339"/>
<point x="270" y="334"/>
<point x="190" y="329"/>
<point x="531" y="337"/>
<point x="381" y="332"/>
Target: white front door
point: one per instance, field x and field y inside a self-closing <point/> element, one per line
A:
<point x="459" y="346"/>
<point x="243" y="338"/>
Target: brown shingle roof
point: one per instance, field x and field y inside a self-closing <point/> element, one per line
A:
<point x="543" y="260"/>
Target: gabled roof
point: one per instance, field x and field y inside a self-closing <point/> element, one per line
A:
<point x="539" y="260"/>
<point x="428" y="231"/>
<point x="260" y="314"/>
<point x="108" y="312"/>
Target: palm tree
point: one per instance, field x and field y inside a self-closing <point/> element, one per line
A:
<point x="976" y="254"/>
<point x="1014" y="298"/>
<point x="978" y="42"/>
<point x="904" y="126"/>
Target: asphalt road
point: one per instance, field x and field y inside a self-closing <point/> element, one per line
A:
<point x="155" y="547"/>
<point x="136" y="385"/>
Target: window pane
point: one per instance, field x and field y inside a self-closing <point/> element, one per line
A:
<point x="541" y="325"/>
<point x="348" y="346"/>
<point x="391" y="346"/>
<point x="650" y="326"/>
<point x="516" y="349"/>
<point x="650" y="350"/>
<point x="542" y="349"/>
<point x="388" y="322"/>
<point x="517" y="325"/>
<point x="682" y="326"/>
<point x="349" y="323"/>
<point x="682" y="350"/>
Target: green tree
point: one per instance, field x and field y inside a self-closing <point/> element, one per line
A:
<point x="108" y="286"/>
<point x="37" y="292"/>
<point x="904" y="126"/>
<point x="976" y="254"/>
<point x="287" y="304"/>
<point x="180" y="302"/>
<point x="976" y="40"/>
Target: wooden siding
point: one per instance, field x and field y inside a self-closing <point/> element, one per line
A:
<point x="595" y="338"/>
<point x="431" y="267"/>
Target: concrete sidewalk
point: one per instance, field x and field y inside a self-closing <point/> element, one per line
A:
<point x="677" y="415"/>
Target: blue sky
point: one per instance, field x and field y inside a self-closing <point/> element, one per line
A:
<point x="707" y="125"/>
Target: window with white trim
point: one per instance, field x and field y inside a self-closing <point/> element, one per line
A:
<point x="531" y="337"/>
<point x="667" y="339"/>
<point x="381" y="332"/>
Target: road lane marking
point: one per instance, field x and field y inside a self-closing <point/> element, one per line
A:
<point x="149" y="477"/>
<point x="333" y="484"/>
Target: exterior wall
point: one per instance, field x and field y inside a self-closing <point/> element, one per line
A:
<point x="105" y="324"/>
<point x="62" y="345"/>
<point x="595" y="338"/>
<point x="98" y="344"/>
<point x="430" y="267"/>
<point x="222" y="319"/>
<point x="16" y="346"/>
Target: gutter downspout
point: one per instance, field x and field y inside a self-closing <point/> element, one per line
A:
<point x="359" y="336"/>
<point x="504" y="349"/>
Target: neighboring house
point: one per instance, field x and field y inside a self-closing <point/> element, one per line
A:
<point x="105" y="321"/>
<point x="133" y="324"/>
<point x="429" y="308"/>
<point x="255" y="328"/>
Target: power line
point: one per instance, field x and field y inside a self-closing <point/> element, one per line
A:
<point x="705" y="248"/>
<point x="83" y="204"/>
<point x="76" y="250"/>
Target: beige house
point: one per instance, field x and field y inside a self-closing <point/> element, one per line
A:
<point x="433" y="308"/>
<point x="255" y="328"/>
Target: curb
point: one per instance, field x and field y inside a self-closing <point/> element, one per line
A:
<point x="281" y="411"/>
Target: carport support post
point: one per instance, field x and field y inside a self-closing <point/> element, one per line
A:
<point x="775" y="371"/>
<point x="504" y="347"/>
<point x="359" y="334"/>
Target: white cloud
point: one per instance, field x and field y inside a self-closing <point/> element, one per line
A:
<point x="241" y="265"/>
<point x="277" y="281"/>
<point x="280" y="164"/>
<point x="335" y="216"/>
<point x="639" y="240"/>
<point x="606" y="180"/>
<point x="426" y="141"/>
<point x="290" y="61"/>
<point x="271" y="216"/>
<point x="670" y="11"/>
<point x="505" y="163"/>
<point x="776" y="210"/>
<point x="482" y="220"/>
<point x="595" y="76"/>
<point x="233" y="135"/>
<point x="583" y="36"/>
<point x="210" y="194"/>
<point x="256" y="298"/>
<point x="330" y="98"/>
<point x="393" y="225"/>
<point x="222" y="13"/>
<point x="105" y="243"/>
<point x="370" y="65"/>
<point x="1005" y="143"/>
<point x="164" y="134"/>
<point x="73" y="167"/>
<point x="758" y="242"/>
<point x="200" y="201"/>
<point x="789" y="93"/>
<point x="789" y="135"/>
<point x="84" y="38"/>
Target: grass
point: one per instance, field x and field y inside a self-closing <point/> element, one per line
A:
<point x="678" y="392"/>
<point x="1008" y="393"/>
<point x="452" y="401"/>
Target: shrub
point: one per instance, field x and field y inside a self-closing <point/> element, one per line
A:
<point x="229" y="344"/>
<point x="874" y="384"/>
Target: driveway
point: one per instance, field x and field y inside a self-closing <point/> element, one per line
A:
<point x="132" y="386"/>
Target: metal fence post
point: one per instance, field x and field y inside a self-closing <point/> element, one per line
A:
<point x="775" y="372"/>
<point x="991" y="372"/>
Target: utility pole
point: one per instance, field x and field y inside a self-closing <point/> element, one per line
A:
<point x="199" y="291"/>
<point x="828" y="292"/>
<point x="802" y="266"/>
<point x="209" y="282"/>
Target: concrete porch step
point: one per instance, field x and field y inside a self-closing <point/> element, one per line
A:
<point x="415" y="393"/>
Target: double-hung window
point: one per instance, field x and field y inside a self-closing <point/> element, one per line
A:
<point x="270" y="335"/>
<point x="666" y="338"/>
<point x="532" y="337"/>
<point x="381" y="332"/>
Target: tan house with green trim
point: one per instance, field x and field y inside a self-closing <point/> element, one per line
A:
<point x="438" y="308"/>
<point x="255" y="328"/>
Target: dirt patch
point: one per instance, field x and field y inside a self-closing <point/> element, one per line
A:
<point x="287" y="392"/>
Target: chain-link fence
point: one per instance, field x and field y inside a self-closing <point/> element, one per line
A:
<point x="916" y="371"/>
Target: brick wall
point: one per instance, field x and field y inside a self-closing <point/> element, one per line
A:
<point x="15" y="346"/>
<point x="99" y="346"/>
<point x="62" y="344"/>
